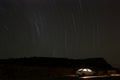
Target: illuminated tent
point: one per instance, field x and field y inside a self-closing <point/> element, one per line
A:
<point x="85" y="71"/>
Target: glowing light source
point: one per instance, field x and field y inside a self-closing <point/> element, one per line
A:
<point x="89" y="70"/>
<point x="80" y="69"/>
<point x="85" y="69"/>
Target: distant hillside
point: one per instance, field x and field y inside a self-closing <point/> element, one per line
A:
<point x="59" y="62"/>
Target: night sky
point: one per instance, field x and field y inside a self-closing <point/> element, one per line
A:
<point x="75" y="29"/>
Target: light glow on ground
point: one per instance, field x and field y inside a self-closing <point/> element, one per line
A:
<point x="112" y="75"/>
<point x="85" y="77"/>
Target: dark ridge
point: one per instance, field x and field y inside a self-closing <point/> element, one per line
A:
<point x="40" y="61"/>
<point x="96" y="63"/>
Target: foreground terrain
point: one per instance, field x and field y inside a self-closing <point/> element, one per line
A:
<point x="69" y="78"/>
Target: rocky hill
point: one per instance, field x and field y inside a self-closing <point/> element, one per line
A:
<point x="59" y="62"/>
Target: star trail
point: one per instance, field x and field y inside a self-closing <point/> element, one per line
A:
<point x="60" y="28"/>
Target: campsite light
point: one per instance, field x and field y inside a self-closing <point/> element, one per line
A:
<point x="84" y="71"/>
<point x="89" y="70"/>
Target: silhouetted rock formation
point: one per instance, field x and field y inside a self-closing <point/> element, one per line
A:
<point x="59" y="62"/>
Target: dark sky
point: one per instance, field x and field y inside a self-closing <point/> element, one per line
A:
<point x="60" y="28"/>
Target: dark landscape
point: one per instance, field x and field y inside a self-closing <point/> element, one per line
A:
<point x="48" y="68"/>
